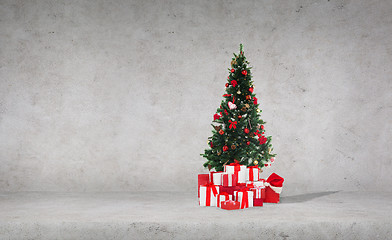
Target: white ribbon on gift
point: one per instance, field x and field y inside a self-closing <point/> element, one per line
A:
<point x="275" y="189"/>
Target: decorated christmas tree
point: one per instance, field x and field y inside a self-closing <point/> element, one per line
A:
<point x="238" y="130"/>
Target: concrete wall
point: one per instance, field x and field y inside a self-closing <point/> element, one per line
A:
<point x="119" y="95"/>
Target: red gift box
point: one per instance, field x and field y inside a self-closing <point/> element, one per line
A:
<point x="257" y="202"/>
<point x="258" y="192"/>
<point x="273" y="188"/>
<point x="230" y="190"/>
<point x="230" y="205"/>
<point x="202" y="179"/>
<point x="229" y="180"/>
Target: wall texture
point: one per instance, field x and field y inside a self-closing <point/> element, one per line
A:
<point x="119" y="95"/>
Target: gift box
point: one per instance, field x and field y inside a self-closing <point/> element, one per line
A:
<point x="257" y="202"/>
<point x="202" y="179"/>
<point x="223" y="197"/>
<point x="229" y="180"/>
<point x="251" y="184"/>
<point x="216" y="178"/>
<point x="274" y="184"/>
<point x="208" y="194"/>
<point x="258" y="192"/>
<point x="230" y="205"/>
<point x="230" y="190"/>
<point x="237" y="169"/>
<point x="245" y="197"/>
<point x="252" y="173"/>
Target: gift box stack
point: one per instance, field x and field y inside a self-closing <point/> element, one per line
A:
<point x="238" y="187"/>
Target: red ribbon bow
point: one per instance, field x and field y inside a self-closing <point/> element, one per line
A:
<point x="232" y="124"/>
<point x="237" y="167"/>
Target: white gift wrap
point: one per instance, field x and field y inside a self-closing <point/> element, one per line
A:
<point x="241" y="178"/>
<point x="217" y="178"/>
<point x="203" y="196"/>
<point x="256" y="183"/>
<point x="255" y="174"/>
<point x="258" y="191"/>
<point x="240" y="195"/>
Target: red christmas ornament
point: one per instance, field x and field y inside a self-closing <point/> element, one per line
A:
<point x="227" y="84"/>
<point x="221" y="132"/>
<point x="255" y="101"/>
<point x="212" y="145"/>
<point x="246" y="130"/>
<point x="226" y="95"/>
<point x="262" y="140"/>
<point x="216" y="116"/>
<point x="234" y="83"/>
<point x="239" y="116"/>
<point x="261" y="127"/>
<point x="247" y="143"/>
<point x="225" y="148"/>
<point x="232" y="70"/>
<point x="244" y="72"/>
<point x="251" y="90"/>
<point x="226" y="112"/>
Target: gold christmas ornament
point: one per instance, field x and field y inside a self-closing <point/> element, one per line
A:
<point x="247" y="97"/>
<point x="233" y="147"/>
<point x="247" y="105"/>
<point x="239" y="92"/>
<point x="243" y="109"/>
<point x="217" y="128"/>
<point x="233" y="62"/>
<point x="219" y="153"/>
<point x="258" y="110"/>
<point x="255" y="162"/>
<point x="269" y="150"/>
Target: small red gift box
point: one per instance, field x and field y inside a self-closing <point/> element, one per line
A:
<point x="230" y="205"/>
<point x="202" y="179"/>
<point x="257" y="202"/>
<point x="223" y="197"/>
<point x="273" y="188"/>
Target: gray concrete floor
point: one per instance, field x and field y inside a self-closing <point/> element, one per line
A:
<point x="176" y="215"/>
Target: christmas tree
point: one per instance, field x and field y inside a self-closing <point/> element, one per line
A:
<point x="238" y="130"/>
